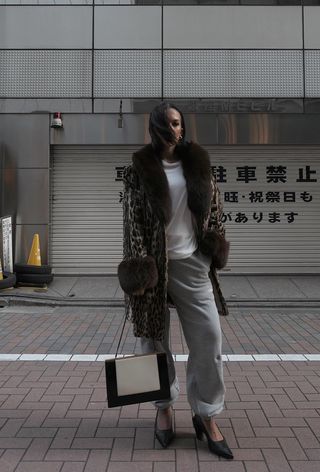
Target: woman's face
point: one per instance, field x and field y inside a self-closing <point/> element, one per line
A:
<point x="174" y="120"/>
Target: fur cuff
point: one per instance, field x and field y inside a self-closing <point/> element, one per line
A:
<point x="137" y="274"/>
<point x="214" y="245"/>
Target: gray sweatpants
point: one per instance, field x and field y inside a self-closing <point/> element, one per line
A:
<point x="190" y="288"/>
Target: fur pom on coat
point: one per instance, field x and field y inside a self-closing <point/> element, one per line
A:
<point x="146" y="212"/>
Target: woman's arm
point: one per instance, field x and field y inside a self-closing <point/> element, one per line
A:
<point x="138" y="271"/>
<point x="213" y="242"/>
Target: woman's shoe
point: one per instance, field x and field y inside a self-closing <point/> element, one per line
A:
<point x="164" y="436"/>
<point x="220" y="448"/>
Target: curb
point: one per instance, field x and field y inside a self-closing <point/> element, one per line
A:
<point x="20" y="300"/>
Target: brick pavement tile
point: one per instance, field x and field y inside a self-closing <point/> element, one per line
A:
<point x="61" y="443"/>
<point x="37" y="449"/>
<point x="256" y="382"/>
<point x="67" y="455"/>
<point x="306" y="387"/>
<point x="204" y="455"/>
<point x="36" y="419"/>
<point x="92" y="443"/>
<point x="271" y="409"/>
<point x="77" y="391"/>
<point x="36" y="405"/>
<point x="10" y="459"/>
<point x="273" y="432"/>
<point x="144" y="438"/>
<point x="15" y="391"/>
<point x="35" y="394"/>
<point x="186" y="460"/>
<point x="183" y="418"/>
<point x="247" y="454"/>
<point x="88" y="428"/>
<point x="181" y="441"/>
<point x="37" y="433"/>
<point x="97" y="461"/>
<point x="73" y="467"/>
<point x="136" y="423"/>
<point x="222" y="466"/>
<point x="306" y="438"/>
<point x="243" y="405"/>
<point x="313" y="454"/>
<point x="307" y="405"/>
<point x="276" y="460"/>
<point x="295" y="394"/>
<point x="2" y="421"/>
<point x="256" y="398"/>
<point x="232" y="395"/>
<point x="257" y="418"/>
<point x="312" y="413"/>
<point x="11" y="427"/>
<point x="243" y="387"/>
<point x="83" y="414"/>
<point x="57" y="398"/>
<point x="255" y="466"/>
<point x="233" y="414"/>
<point x="164" y="467"/>
<point x="66" y="433"/>
<point x="242" y="428"/>
<point x="292" y="449"/>
<point x="258" y="443"/>
<point x="116" y="432"/>
<point x="130" y="467"/>
<point x="122" y="449"/>
<point x="269" y="390"/>
<point x="287" y="422"/>
<point x="13" y="402"/>
<point x="61" y="422"/>
<point x="74" y="382"/>
<point x="154" y="455"/>
<point x="304" y="466"/>
<point x="283" y="401"/>
<point x="55" y="388"/>
<point x="150" y="413"/>
<point x="129" y="411"/>
<point x="314" y="424"/>
<point x="14" y="443"/>
<point x="97" y="406"/>
<point x="98" y="395"/>
<point x="39" y="467"/>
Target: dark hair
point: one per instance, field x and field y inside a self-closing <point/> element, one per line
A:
<point x="159" y="126"/>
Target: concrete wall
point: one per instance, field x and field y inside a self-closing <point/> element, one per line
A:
<point x="25" y="180"/>
<point x="52" y="60"/>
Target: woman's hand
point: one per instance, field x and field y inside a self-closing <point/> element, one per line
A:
<point x="139" y="292"/>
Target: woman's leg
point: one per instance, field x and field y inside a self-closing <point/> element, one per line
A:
<point x="149" y="345"/>
<point x="190" y="288"/>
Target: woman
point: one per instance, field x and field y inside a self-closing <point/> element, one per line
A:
<point x="173" y="242"/>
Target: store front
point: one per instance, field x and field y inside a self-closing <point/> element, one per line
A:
<point x="270" y="194"/>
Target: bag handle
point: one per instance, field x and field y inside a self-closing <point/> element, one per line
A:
<point x="121" y="335"/>
<point x="117" y="350"/>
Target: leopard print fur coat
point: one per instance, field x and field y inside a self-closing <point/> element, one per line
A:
<point x="146" y="212"/>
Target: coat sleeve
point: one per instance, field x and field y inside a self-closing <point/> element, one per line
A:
<point x="137" y="271"/>
<point x="214" y="243"/>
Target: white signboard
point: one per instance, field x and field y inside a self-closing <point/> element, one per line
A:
<point x="6" y="230"/>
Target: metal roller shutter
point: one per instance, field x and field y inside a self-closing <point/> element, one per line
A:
<point x="274" y="229"/>
<point x="270" y="196"/>
<point x="86" y="236"/>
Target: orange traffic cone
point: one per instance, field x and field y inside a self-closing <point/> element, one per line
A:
<point x="1" y="273"/>
<point x="34" y="255"/>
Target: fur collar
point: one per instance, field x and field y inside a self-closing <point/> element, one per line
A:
<point x="196" y="169"/>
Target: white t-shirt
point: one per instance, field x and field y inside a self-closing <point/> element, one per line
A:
<point x="181" y="240"/>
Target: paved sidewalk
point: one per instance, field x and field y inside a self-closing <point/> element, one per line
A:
<point x="244" y="290"/>
<point x="54" y="416"/>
